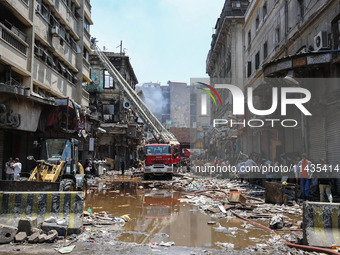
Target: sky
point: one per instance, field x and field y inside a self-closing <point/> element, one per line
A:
<point x="165" y="39"/>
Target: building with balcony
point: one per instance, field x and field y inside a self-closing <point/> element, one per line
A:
<point x="296" y="42"/>
<point x="44" y="59"/>
<point x="121" y="132"/>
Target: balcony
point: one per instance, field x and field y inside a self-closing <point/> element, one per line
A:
<point x="46" y="77"/>
<point x="13" y="48"/>
<point x="87" y="10"/>
<point x="63" y="12"/>
<point x="41" y="28"/>
<point x="21" y="8"/>
<point x="85" y="99"/>
<point x="86" y="71"/>
<point x="87" y="39"/>
<point x="65" y="51"/>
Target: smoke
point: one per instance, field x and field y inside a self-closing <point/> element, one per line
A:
<point x="155" y="100"/>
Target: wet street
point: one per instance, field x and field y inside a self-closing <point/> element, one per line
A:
<point x="161" y="215"/>
<point x="168" y="217"/>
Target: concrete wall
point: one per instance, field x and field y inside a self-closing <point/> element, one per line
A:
<point x="51" y="80"/>
<point x="68" y="205"/>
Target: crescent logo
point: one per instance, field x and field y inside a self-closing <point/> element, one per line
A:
<point x="209" y="93"/>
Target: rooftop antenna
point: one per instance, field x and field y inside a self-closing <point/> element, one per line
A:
<point x="121" y="46"/>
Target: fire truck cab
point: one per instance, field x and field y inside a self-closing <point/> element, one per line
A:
<point x="161" y="160"/>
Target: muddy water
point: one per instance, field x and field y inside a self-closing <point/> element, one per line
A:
<point x="159" y="215"/>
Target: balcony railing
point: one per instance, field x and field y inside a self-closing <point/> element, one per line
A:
<point x="13" y="38"/>
<point x="86" y="64"/>
<point x="88" y="5"/>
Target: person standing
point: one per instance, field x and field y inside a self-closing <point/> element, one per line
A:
<point x="17" y="169"/>
<point x="325" y="183"/>
<point x="122" y="166"/>
<point x="306" y="175"/>
<point x="9" y="170"/>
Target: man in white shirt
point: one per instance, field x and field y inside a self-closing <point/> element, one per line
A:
<point x="17" y="169"/>
<point x="9" y="169"/>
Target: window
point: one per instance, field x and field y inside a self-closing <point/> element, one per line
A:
<point x="86" y="54"/>
<point x="87" y="25"/>
<point x="108" y="112"/>
<point x="236" y="5"/>
<point x="45" y="12"/>
<point x="109" y="81"/>
<point x="301" y="8"/>
<point x="249" y="69"/>
<point x="257" y="60"/>
<point x="264" y="10"/>
<point x="249" y="38"/>
<point x="265" y="50"/>
<point x="336" y="32"/>
<point x="277" y="36"/>
<point x="257" y="22"/>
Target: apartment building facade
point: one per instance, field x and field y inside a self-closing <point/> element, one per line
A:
<point x="44" y="49"/>
<point x="296" y="42"/>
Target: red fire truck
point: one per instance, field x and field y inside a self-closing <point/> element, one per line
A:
<point x="161" y="160"/>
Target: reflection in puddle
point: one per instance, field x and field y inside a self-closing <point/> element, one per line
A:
<point x="158" y="215"/>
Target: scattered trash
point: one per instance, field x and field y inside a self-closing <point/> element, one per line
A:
<point x="225" y="245"/>
<point x="125" y="217"/>
<point x="62" y="222"/>
<point x="65" y="250"/>
<point x="237" y="197"/>
<point x="276" y="222"/>
<point x="51" y="220"/>
<point x="167" y="244"/>
<point x="224" y="230"/>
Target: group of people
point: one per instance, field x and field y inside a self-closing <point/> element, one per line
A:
<point x="13" y="169"/>
<point x="303" y="171"/>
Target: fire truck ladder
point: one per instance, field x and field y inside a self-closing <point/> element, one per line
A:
<point x="155" y="127"/>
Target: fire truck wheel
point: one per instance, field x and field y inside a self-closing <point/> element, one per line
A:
<point x="169" y="177"/>
<point x="67" y="185"/>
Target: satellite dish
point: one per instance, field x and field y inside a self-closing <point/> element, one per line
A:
<point x="126" y="104"/>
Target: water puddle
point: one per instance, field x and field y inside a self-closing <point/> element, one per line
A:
<point x="159" y="215"/>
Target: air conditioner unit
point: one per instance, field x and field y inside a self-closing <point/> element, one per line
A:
<point x="55" y="31"/>
<point x="321" y="41"/>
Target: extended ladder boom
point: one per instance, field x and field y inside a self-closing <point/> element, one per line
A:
<point x="155" y="127"/>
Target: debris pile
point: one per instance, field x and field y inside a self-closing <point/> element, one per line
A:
<point x="103" y="218"/>
<point x="29" y="231"/>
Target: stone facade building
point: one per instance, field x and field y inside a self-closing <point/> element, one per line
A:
<point x="297" y="41"/>
<point x="225" y="65"/>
